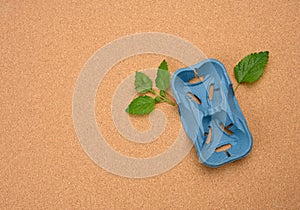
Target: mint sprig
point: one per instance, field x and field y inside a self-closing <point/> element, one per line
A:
<point x="251" y="67"/>
<point x="143" y="85"/>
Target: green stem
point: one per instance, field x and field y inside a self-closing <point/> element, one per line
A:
<point x="170" y="102"/>
<point x="237" y="87"/>
<point x="167" y="100"/>
<point x="162" y="97"/>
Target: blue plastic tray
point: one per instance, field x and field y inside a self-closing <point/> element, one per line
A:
<point x="210" y="113"/>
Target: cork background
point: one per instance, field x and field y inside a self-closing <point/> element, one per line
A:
<point x="44" y="45"/>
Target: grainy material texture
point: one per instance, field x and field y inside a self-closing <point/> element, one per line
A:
<point x="44" y="45"/>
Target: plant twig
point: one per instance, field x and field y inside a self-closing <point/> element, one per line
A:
<point x="237" y="87"/>
<point x="165" y="99"/>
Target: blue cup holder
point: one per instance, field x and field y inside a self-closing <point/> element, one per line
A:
<point x="210" y="113"/>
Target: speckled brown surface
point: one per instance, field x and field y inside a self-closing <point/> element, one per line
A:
<point x="45" y="44"/>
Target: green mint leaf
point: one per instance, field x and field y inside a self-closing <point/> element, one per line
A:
<point x="163" y="76"/>
<point x="142" y="83"/>
<point x="163" y="65"/>
<point x="250" y="68"/>
<point x="162" y="93"/>
<point x="141" y="105"/>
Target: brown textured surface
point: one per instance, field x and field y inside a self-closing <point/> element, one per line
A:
<point x="43" y="47"/>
